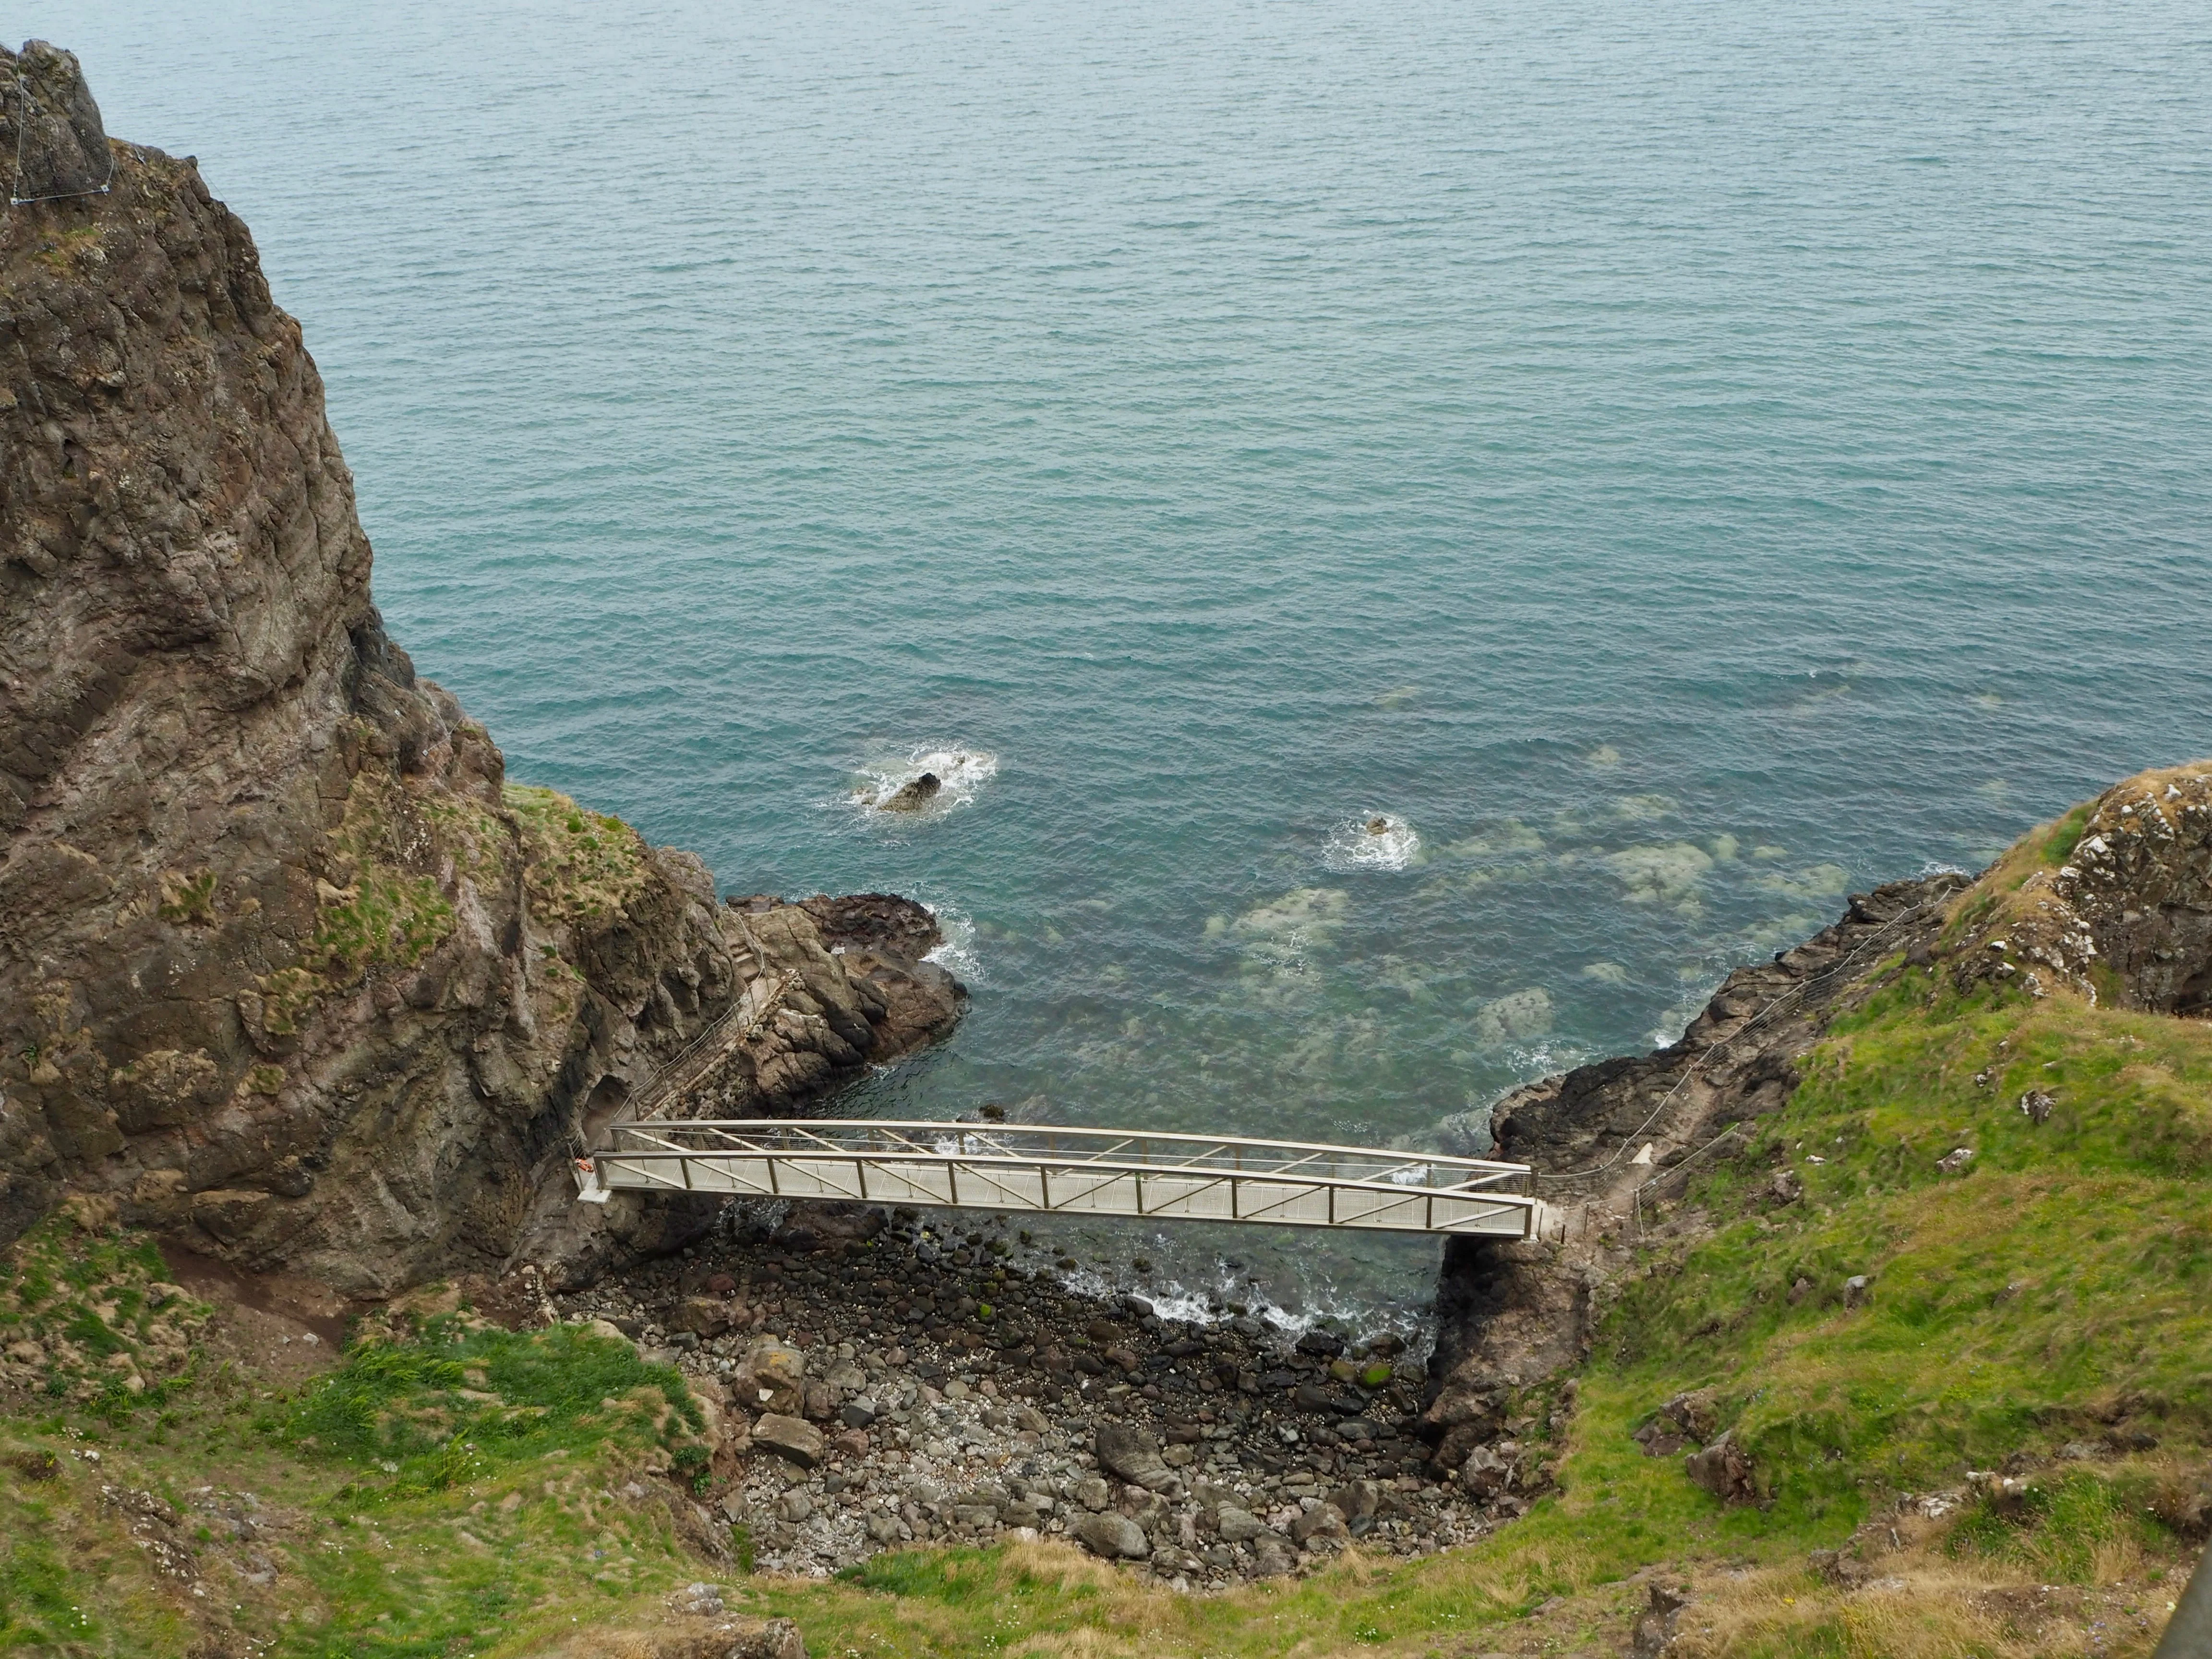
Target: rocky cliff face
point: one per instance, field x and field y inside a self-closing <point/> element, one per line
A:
<point x="2115" y="904"/>
<point x="1513" y="1314"/>
<point x="288" y="968"/>
<point x="2112" y="903"/>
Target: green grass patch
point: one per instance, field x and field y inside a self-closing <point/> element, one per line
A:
<point x="2060" y="1527"/>
<point x="457" y="1404"/>
<point x="2064" y="1276"/>
<point x="583" y="866"/>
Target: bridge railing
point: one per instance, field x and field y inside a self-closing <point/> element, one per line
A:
<point x="1061" y="1169"/>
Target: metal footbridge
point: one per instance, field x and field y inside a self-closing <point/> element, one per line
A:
<point x="1032" y="1168"/>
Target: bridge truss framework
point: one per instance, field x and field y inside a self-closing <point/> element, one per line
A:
<point x="1057" y="1171"/>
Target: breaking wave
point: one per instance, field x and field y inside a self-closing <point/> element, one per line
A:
<point x="898" y="786"/>
<point x="1378" y="842"/>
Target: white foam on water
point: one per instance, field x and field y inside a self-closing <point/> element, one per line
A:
<point x="1174" y="1299"/>
<point x="1376" y="841"/>
<point x="961" y="774"/>
<point x="1542" y="1059"/>
<point x="956" y="955"/>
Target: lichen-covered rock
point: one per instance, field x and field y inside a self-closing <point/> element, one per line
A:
<point x="289" y="967"/>
<point x="52" y="140"/>
<point x="2133" y="893"/>
<point x="770" y="1377"/>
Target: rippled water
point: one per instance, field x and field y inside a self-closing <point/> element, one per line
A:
<point x="1676" y="463"/>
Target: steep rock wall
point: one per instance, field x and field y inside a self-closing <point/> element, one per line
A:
<point x="287" y="970"/>
<point x="1513" y="1314"/>
<point x="2115" y="902"/>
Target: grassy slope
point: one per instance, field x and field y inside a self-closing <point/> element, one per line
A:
<point x="2057" y="1291"/>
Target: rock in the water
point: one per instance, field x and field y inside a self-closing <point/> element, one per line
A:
<point x="50" y="134"/>
<point x="1134" y="1455"/>
<point x="790" y="1438"/>
<point x="913" y="795"/>
<point x="1113" y="1536"/>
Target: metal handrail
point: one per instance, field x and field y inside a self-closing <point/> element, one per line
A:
<point x="911" y="1140"/>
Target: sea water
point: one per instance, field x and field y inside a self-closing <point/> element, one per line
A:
<point x="1674" y="464"/>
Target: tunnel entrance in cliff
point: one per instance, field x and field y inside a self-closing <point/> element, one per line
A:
<point x="606" y="1099"/>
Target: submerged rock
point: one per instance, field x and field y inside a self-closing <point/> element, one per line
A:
<point x="1518" y="1017"/>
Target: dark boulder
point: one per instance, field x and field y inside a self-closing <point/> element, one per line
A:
<point x="913" y="795"/>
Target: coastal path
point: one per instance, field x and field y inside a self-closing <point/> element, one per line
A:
<point x="1032" y="1168"/>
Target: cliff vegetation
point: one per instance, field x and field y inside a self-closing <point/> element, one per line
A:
<point x="1850" y="1394"/>
<point x="291" y="974"/>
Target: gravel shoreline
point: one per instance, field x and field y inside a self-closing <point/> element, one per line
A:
<point x="903" y="1379"/>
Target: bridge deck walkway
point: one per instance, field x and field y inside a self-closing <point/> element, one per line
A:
<point x="1063" y="1170"/>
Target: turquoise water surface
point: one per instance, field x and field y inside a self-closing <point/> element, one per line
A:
<point x="1678" y="463"/>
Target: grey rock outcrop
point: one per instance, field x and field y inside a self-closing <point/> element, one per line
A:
<point x="289" y="969"/>
<point x="52" y="140"/>
<point x="913" y="795"/>
<point x="1113" y="1536"/>
<point x="2132" y="894"/>
<point x="791" y="1439"/>
<point x="1134" y="1457"/>
<point x="1723" y="1470"/>
<point x="1512" y="1313"/>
